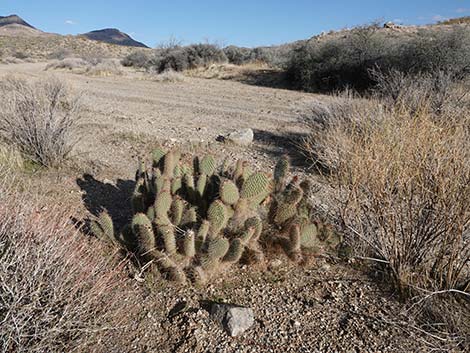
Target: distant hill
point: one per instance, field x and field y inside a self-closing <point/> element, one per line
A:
<point x="13" y="20"/>
<point x="14" y="25"/>
<point x="113" y="36"/>
<point x="454" y="21"/>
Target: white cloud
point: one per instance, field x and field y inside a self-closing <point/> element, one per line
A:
<point x="398" y="20"/>
<point x="70" y="22"/>
<point x="462" y="10"/>
<point x="439" y="18"/>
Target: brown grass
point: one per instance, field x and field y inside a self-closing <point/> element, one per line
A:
<point x="57" y="292"/>
<point x="403" y="183"/>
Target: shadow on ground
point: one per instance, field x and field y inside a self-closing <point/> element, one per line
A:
<point x="264" y="78"/>
<point x="278" y="144"/>
<point x="98" y="196"/>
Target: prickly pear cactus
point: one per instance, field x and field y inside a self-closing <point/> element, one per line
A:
<point x="192" y="220"/>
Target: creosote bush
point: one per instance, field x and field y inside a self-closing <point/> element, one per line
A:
<point x="194" y="220"/>
<point x="39" y="117"/>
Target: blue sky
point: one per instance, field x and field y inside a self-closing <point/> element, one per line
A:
<point x="239" y="22"/>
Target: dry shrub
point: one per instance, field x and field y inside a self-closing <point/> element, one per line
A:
<point x="402" y="178"/>
<point x="325" y="122"/>
<point x="10" y="158"/>
<point x="105" y="67"/>
<point x="67" y="64"/>
<point x="57" y="293"/>
<point x="39" y="118"/>
<point x="169" y="76"/>
<point x="92" y="66"/>
<point x="440" y="90"/>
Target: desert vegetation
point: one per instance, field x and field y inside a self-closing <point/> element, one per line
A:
<point x="328" y="64"/>
<point x="399" y="163"/>
<point x="176" y="57"/>
<point x="382" y="190"/>
<point x="39" y="118"/>
<point x="193" y="223"/>
<point x="55" y="292"/>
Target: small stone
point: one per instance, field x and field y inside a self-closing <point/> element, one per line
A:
<point x="275" y="264"/>
<point x="233" y="318"/>
<point x="241" y="137"/>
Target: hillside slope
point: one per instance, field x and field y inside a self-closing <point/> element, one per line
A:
<point x="113" y="36"/>
<point x="14" y="26"/>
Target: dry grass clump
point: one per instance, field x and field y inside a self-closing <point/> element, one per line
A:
<point x="10" y="158"/>
<point x="67" y="64"/>
<point x="403" y="182"/>
<point x="169" y="76"/>
<point x="90" y="66"/>
<point x="56" y="293"/>
<point x="105" y="67"/>
<point x="326" y="122"/>
<point x="40" y="118"/>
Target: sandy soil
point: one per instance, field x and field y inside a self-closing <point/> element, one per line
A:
<point x="320" y="308"/>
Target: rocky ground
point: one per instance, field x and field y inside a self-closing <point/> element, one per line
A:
<point x="326" y="306"/>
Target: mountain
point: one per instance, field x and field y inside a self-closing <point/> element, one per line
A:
<point x="14" y="25"/>
<point x="113" y="36"/>
<point x="13" y="20"/>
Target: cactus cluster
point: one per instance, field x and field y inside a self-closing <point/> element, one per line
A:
<point x="194" y="219"/>
<point x="291" y="212"/>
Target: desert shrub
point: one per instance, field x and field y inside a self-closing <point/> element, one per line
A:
<point x="339" y="62"/>
<point x="56" y="294"/>
<point x="95" y="66"/>
<point x="60" y="54"/>
<point x="40" y="118"/>
<point x="238" y="55"/>
<point x="436" y="50"/>
<point x="322" y="121"/>
<point x="169" y="76"/>
<point x="20" y="55"/>
<point x="180" y="58"/>
<point x="455" y="21"/>
<point x="325" y="64"/>
<point x="67" y="64"/>
<point x="438" y="90"/>
<point x="402" y="186"/>
<point x="276" y="56"/>
<point x="137" y="59"/>
<point x="105" y="67"/>
<point x="193" y="220"/>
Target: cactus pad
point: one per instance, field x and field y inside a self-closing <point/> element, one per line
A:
<point x="235" y="251"/>
<point x="256" y="185"/>
<point x="207" y="165"/>
<point x="157" y="154"/>
<point x="309" y="236"/>
<point x="217" y="216"/>
<point x="229" y="192"/>
<point x="142" y="228"/>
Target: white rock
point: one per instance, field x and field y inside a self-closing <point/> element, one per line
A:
<point x="234" y="319"/>
<point x="241" y="137"/>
